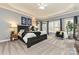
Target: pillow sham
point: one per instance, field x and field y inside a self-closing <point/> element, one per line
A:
<point x="20" y="32"/>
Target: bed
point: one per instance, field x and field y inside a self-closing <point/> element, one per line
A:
<point x="31" y="38"/>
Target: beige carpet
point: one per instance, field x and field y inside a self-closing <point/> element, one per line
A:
<point x="51" y="46"/>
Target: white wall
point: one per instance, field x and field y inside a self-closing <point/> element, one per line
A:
<point x="6" y="18"/>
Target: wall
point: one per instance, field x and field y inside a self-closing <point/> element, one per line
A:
<point x="6" y="19"/>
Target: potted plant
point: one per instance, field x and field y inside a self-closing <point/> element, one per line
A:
<point x="70" y="26"/>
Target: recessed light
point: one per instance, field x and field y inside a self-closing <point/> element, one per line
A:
<point x="42" y="6"/>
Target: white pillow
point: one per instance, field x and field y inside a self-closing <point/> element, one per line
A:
<point x="20" y="32"/>
<point x="28" y="35"/>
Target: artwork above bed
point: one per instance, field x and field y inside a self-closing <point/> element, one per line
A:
<point x="26" y="21"/>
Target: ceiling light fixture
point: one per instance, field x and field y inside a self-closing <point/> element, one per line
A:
<point x="42" y="6"/>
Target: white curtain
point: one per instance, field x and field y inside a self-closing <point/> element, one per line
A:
<point x="44" y="26"/>
<point x="51" y="27"/>
<point x="54" y="26"/>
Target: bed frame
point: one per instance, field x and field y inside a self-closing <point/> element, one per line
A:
<point x="33" y="40"/>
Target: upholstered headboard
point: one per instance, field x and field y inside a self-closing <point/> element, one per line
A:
<point x="25" y="28"/>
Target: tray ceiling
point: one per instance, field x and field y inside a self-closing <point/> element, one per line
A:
<point x="32" y="9"/>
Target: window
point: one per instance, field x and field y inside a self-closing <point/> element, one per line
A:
<point x="66" y="21"/>
<point x="51" y="27"/>
<point x="38" y="25"/>
<point x="44" y="26"/>
<point x="54" y="26"/>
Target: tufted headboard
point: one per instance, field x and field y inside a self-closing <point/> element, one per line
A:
<point x="25" y="28"/>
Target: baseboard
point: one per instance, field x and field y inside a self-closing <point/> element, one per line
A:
<point x="4" y="40"/>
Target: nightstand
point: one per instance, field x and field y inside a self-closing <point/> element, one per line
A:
<point x="13" y="36"/>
